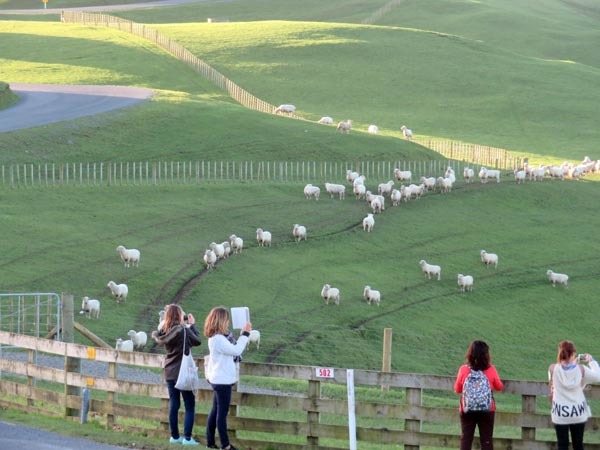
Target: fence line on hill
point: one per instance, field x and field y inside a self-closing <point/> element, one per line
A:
<point x="142" y="173"/>
<point x="385" y="9"/>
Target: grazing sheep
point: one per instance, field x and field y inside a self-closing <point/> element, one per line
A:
<point x="124" y="346"/>
<point x="396" y="197"/>
<point x="368" y="223"/>
<point x="385" y="188"/>
<point x="129" y="256"/>
<point x="299" y="232"/>
<point x="359" y="191"/>
<point x="326" y="120"/>
<point x="91" y="307"/>
<point x="430" y="269"/>
<point x="344" y="126"/>
<point x="465" y="282"/>
<point x="559" y="278"/>
<point x="373" y="129"/>
<point x="520" y="176"/>
<point x="217" y="249"/>
<point x="119" y="291"/>
<point x="351" y="176"/>
<point x="311" y="191"/>
<point x="138" y="338"/>
<point x="538" y="174"/>
<point x="468" y="174"/>
<point x="416" y="191"/>
<point x="237" y="244"/>
<point x="336" y="189"/>
<point x="407" y="133"/>
<point x="489" y="258"/>
<point x="210" y="259"/>
<point x="429" y="183"/>
<point x="285" y="109"/>
<point x="330" y="293"/>
<point x="263" y="237"/>
<point x="485" y="174"/>
<point x="403" y="175"/>
<point x="254" y="338"/>
<point x="371" y="295"/>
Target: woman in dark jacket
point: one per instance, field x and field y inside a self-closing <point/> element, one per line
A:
<point x="171" y="334"/>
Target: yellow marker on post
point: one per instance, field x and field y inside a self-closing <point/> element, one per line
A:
<point x="91" y="352"/>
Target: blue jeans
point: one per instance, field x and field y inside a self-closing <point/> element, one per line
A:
<point x="217" y="419"/>
<point x="562" y="435"/>
<point x="189" y="401"/>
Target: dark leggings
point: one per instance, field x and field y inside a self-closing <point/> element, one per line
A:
<point x="217" y="419"/>
<point x="562" y="435"/>
<point x="189" y="400"/>
<point x="485" y="422"/>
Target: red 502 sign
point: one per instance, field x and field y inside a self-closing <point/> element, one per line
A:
<point x="324" y="372"/>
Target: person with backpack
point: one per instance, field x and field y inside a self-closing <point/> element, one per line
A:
<point x="476" y="380"/>
<point x="567" y="379"/>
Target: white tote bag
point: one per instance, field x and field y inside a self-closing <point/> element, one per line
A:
<point x="188" y="379"/>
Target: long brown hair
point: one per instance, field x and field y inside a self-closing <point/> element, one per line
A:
<point x="566" y="350"/>
<point x="216" y="322"/>
<point x="478" y="355"/>
<point x="173" y="314"/>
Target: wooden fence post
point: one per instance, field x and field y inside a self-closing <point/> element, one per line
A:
<point x="528" y="406"/>
<point x="314" y="393"/>
<point x="413" y="398"/>
<point x="386" y="365"/>
<point x="71" y="364"/>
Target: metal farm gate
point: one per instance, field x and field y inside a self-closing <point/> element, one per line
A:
<point x="33" y="314"/>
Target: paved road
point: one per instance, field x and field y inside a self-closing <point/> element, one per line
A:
<point x="41" y="104"/>
<point x="21" y="437"/>
<point x="99" y="8"/>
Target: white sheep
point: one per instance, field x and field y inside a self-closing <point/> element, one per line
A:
<point x="368" y="223"/>
<point x="416" y="191"/>
<point x="385" y="188"/>
<point x="227" y="247"/>
<point x="217" y="249"/>
<point x="556" y="172"/>
<point x="91" y="307"/>
<point x="376" y="205"/>
<point x="344" y="126"/>
<point x="210" y="259"/>
<point x="299" y="232"/>
<point x="559" y="278"/>
<point x="428" y="182"/>
<point x="330" y="293"/>
<point x="351" y="176"/>
<point x="373" y="129"/>
<point x="285" y="109"/>
<point x="138" y="338"/>
<point x="450" y="174"/>
<point x="468" y="174"/>
<point x="405" y="193"/>
<point x="396" y="197"/>
<point x="336" y="189"/>
<point x="430" y="269"/>
<point x="311" y="191"/>
<point x="371" y="295"/>
<point x="489" y="258"/>
<point x="445" y="184"/>
<point x="538" y="174"/>
<point x="237" y="244"/>
<point x="254" y="338"/>
<point x="359" y="180"/>
<point x="406" y="132"/>
<point x="359" y="191"/>
<point x="485" y="174"/>
<point x="129" y="256"/>
<point x="403" y="175"/>
<point x="124" y="345"/>
<point x="326" y="120"/>
<point x="119" y="291"/>
<point x="520" y="176"/>
<point x="465" y="282"/>
<point x="263" y="237"/>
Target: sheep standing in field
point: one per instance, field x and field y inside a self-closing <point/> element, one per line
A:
<point x="445" y="185"/>
<point x="485" y="174"/>
<point x="237" y="244"/>
<point x="263" y="237"/>
<point x="376" y="205"/>
<point x="488" y="259"/>
<point x="217" y="249"/>
<point x="139" y="339"/>
<point x="129" y="256"/>
<point x="465" y="282"/>
<point x="402" y="175"/>
<point x="520" y="176"/>
<point x="285" y="109"/>
<point x="344" y="126"/>
<point x="330" y="293"/>
<point x="311" y="191"/>
<point x="227" y="247"/>
<point x="254" y="338"/>
<point x="336" y="189"/>
<point x="119" y="291"/>
<point x="299" y="232"/>
<point x="557" y="278"/>
<point x="359" y="191"/>
<point x="468" y="174"/>
<point x="430" y="269"/>
<point x="428" y="182"/>
<point x="555" y="172"/>
<point x="406" y="132"/>
<point x="368" y="223"/>
<point x="396" y="197"/>
<point x="538" y="174"/>
<point x="210" y="259"/>
<point x="371" y="295"/>
<point x="91" y="307"/>
<point x="385" y="188"/>
<point x="373" y="129"/>
<point x="450" y="174"/>
<point x="351" y="176"/>
<point x="124" y="345"/>
<point x="326" y="120"/>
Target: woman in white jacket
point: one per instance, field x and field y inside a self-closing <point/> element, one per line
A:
<point x="221" y="371"/>
<point x="570" y="410"/>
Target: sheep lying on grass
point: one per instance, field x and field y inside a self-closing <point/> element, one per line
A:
<point x="430" y="269"/>
<point x="330" y="293"/>
<point x="368" y="223"/>
<point x="119" y="291"/>
<point x="557" y="278"/>
<point x="91" y="307"/>
<point x="465" y="282"/>
<point x="489" y="258"/>
<point x="138" y="338"/>
<point x="299" y="232"/>
<point x="326" y="120"/>
<point x="263" y="237"/>
<point x="129" y="256"/>
<point x="373" y="129"/>
<point x="371" y="295"/>
<point x="311" y="191"/>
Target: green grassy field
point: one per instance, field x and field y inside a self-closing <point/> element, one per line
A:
<point x="437" y="79"/>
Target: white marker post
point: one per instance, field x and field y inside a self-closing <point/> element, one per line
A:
<point x="45" y="3"/>
<point x="351" y="415"/>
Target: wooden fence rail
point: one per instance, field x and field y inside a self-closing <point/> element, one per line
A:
<point x="312" y="420"/>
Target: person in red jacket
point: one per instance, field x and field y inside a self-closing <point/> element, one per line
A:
<point x="478" y="358"/>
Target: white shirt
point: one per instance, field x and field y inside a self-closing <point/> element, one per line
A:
<point x="222" y="369"/>
<point x="569" y="404"/>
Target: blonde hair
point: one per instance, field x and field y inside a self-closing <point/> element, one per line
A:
<point x="173" y="315"/>
<point x="216" y="322"/>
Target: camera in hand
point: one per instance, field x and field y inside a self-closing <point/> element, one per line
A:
<point x="581" y="357"/>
